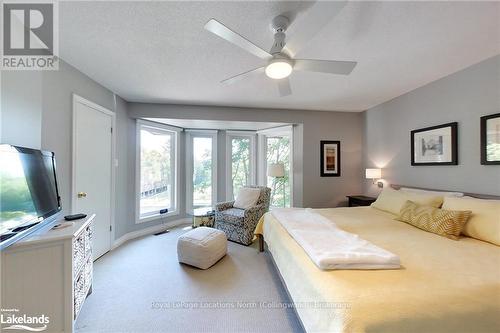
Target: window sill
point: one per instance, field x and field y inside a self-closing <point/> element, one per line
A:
<point x="156" y="217"/>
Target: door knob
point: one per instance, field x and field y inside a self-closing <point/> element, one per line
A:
<point x="82" y="194"/>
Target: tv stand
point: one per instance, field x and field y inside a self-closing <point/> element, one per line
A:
<point x="49" y="274"/>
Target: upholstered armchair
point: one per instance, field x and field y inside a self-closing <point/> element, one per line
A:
<point x="239" y="224"/>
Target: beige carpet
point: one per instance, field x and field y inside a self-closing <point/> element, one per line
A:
<point x="140" y="287"/>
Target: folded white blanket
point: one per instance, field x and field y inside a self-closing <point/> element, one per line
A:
<point x="330" y="247"/>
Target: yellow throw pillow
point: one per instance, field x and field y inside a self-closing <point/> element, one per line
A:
<point x="447" y="223"/>
<point x="390" y="200"/>
<point x="484" y="223"/>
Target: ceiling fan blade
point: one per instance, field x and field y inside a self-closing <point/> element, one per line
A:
<point x="224" y="32"/>
<point x="310" y="23"/>
<point x="243" y="75"/>
<point x="325" y="66"/>
<point x="284" y="87"/>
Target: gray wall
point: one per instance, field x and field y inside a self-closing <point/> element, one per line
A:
<point x="125" y="172"/>
<point x="21" y="105"/>
<point x="312" y="190"/>
<point x="463" y="97"/>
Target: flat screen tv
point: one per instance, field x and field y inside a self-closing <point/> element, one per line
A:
<point x="29" y="198"/>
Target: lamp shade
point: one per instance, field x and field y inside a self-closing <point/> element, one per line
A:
<point x="373" y="173"/>
<point x="276" y="170"/>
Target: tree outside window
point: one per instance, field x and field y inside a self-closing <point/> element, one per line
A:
<point x="278" y="151"/>
<point x="240" y="163"/>
<point x="202" y="172"/>
<point x="156" y="170"/>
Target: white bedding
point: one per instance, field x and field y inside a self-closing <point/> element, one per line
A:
<point x="330" y="247"/>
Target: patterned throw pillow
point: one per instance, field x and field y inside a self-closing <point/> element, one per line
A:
<point x="447" y="223"/>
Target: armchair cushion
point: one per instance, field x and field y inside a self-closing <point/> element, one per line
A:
<point x="247" y="197"/>
<point x="233" y="212"/>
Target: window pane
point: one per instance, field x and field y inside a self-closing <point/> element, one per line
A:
<point x="240" y="163"/>
<point x="278" y="151"/>
<point x="202" y="172"/>
<point x="157" y="161"/>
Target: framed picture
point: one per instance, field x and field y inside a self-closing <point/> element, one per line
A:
<point x="436" y="145"/>
<point x="490" y="139"/>
<point x="330" y="158"/>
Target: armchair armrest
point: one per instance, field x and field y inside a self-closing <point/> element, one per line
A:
<point x="253" y="215"/>
<point x="252" y="211"/>
<point x="224" y="205"/>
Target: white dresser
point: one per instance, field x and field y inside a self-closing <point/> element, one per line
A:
<point x="49" y="274"/>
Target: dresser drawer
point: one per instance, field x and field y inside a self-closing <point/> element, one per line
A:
<point x="79" y="293"/>
<point x="78" y="253"/>
<point x="88" y="241"/>
<point x="87" y="271"/>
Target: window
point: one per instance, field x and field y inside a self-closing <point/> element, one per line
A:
<point x="202" y="175"/>
<point x="278" y="152"/>
<point x="201" y="169"/>
<point x="276" y="147"/>
<point x="157" y="151"/>
<point x="240" y="159"/>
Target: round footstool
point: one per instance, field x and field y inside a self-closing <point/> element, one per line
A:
<point x="201" y="247"/>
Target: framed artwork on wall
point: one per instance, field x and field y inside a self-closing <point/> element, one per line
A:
<point x="330" y="158"/>
<point x="490" y="139"/>
<point x="436" y="145"/>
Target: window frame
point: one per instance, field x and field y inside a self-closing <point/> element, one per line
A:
<point x="190" y="135"/>
<point x="262" y="136"/>
<point x="230" y="135"/>
<point x="175" y="132"/>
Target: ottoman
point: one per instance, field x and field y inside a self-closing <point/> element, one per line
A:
<point x="201" y="247"/>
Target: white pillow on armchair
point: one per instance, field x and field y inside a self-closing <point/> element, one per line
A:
<point x="247" y="197"/>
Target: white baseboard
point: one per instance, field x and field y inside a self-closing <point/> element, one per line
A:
<point x="148" y="231"/>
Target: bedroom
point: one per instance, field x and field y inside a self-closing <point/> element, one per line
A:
<point x="155" y="68"/>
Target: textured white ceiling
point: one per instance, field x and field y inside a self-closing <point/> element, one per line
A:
<point x="159" y="51"/>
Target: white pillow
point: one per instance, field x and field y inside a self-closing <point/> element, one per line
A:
<point x="390" y="200"/>
<point x="444" y="194"/>
<point x="247" y="197"/>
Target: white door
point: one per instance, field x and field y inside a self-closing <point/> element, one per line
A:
<point x="92" y="169"/>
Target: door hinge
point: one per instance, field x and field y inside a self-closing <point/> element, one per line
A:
<point x="110" y="228"/>
<point x="111" y="129"/>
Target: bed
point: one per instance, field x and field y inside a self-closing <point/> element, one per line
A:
<point x="443" y="286"/>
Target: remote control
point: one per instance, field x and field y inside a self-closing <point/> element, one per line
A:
<point x="75" y="217"/>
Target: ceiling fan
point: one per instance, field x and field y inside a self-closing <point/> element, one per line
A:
<point x="280" y="61"/>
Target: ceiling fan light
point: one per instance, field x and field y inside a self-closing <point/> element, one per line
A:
<point x="279" y="69"/>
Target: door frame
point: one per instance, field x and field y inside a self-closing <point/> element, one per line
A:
<point x="79" y="99"/>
